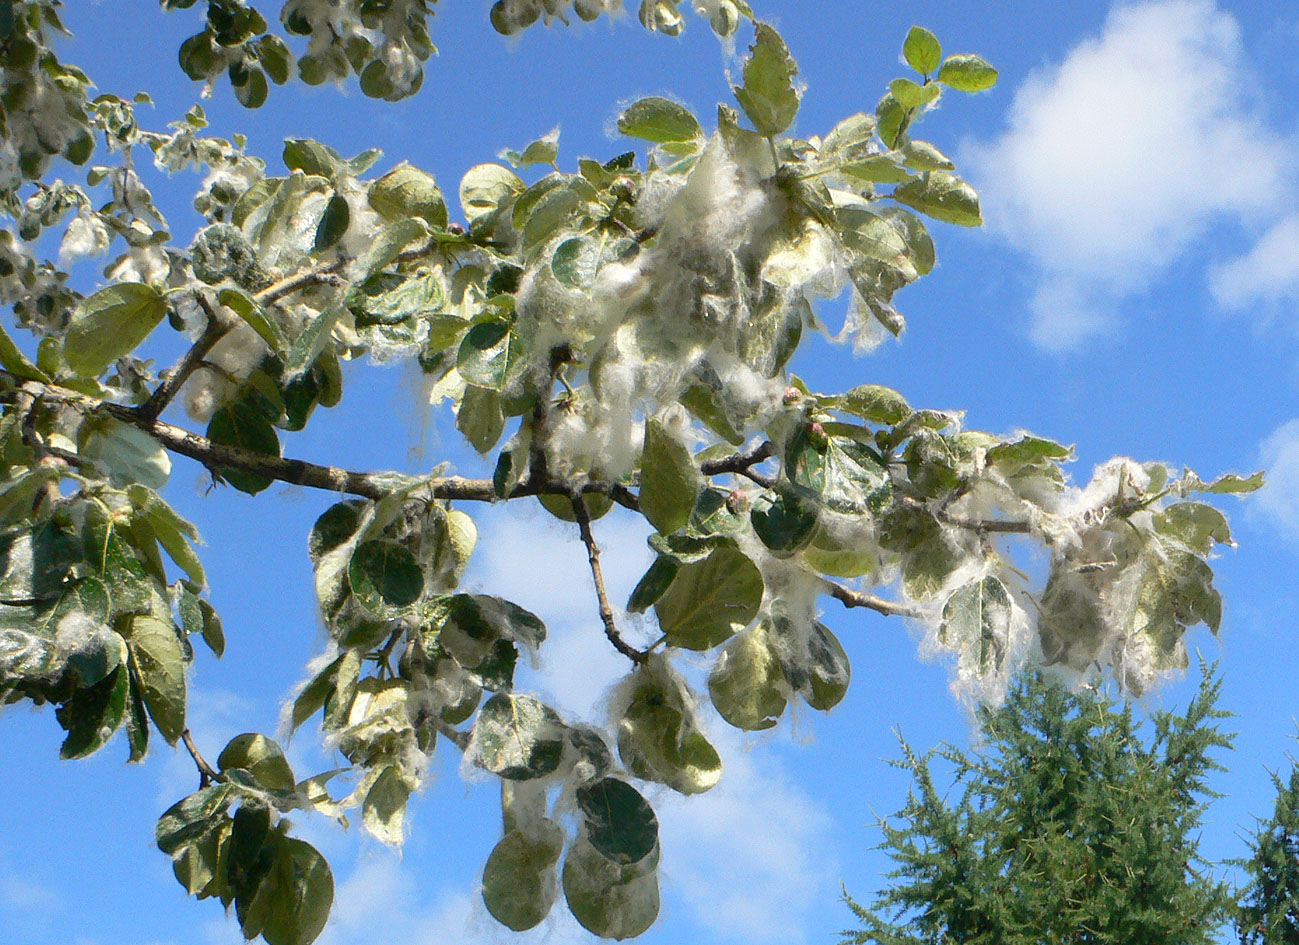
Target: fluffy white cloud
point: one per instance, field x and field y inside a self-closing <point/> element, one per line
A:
<point x="1267" y="274"/>
<point x="1116" y="159"/>
<point x="1277" y="503"/>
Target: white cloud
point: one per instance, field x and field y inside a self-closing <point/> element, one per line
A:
<point x="1116" y="159"/>
<point x="1266" y="275"/>
<point x="1277" y="503"/>
<point x="749" y="857"/>
<point x="24" y="895"/>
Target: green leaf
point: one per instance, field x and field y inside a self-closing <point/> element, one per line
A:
<point x="15" y="362"/>
<point x="875" y="403"/>
<point x="159" y="661"/>
<point x="251" y="93"/>
<point x="597" y="505"/>
<point x="191" y="817"/>
<point x="296" y="894"/>
<point x="891" y="120"/>
<point x="485" y="188"/>
<point x="242" y="425"/>
<point x="966" y="73"/>
<point x="311" y="157"/>
<point x="407" y="191"/>
<point x="93" y="715"/>
<point x="251" y="311"/>
<point x="977" y="619"/>
<point x="768" y="95"/>
<point x="922" y="50"/>
<point x="517" y="737"/>
<point x="619" y="822"/>
<point x="942" y="196"/>
<point x="172" y="531"/>
<point x="578" y="261"/>
<point x="388" y="245"/>
<point x="746" y="684"/>
<point x="484" y="355"/>
<point x="653" y="584"/>
<point x="786" y="521"/>
<point x="911" y="95"/>
<point x="385" y="577"/>
<point x="850" y="140"/>
<point x="384" y="809"/>
<point x="604" y="898"/>
<point x="542" y="151"/>
<point x="260" y="757"/>
<point x="519" y="882"/>
<point x="924" y="156"/>
<point x="659" y="738"/>
<point x="1223" y="485"/>
<point x="876" y="169"/>
<point x="1195" y="525"/>
<point x="333" y="223"/>
<point x="812" y="658"/>
<point x="110" y="324"/>
<point x="709" y="600"/>
<point x="335" y="525"/>
<point x="669" y="480"/>
<point x="659" y="120"/>
<point x="481" y="419"/>
<point x="848" y="476"/>
<point x="128" y="453"/>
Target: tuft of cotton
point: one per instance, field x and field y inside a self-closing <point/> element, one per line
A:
<point x="87" y="235"/>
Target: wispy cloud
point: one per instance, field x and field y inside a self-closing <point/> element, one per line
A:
<point x="1117" y="159"/>
<point x="1266" y="276"/>
<point x="749" y="857"/>
<point x="1277" y="503"/>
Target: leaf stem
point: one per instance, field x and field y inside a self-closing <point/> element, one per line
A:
<point x="850" y="598"/>
<point x="206" y="773"/>
<point x="593" y="556"/>
<point x="174" y="379"/>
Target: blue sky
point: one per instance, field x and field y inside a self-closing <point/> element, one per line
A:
<point x="1134" y="293"/>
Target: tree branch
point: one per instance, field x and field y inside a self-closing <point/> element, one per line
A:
<point x="850" y="598"/>
<point x="206" y="773"/>
<point x="606" y="612"/>
<point x="739" y="462"/>
<point x="175" y="379"/>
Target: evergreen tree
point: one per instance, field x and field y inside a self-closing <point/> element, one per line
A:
<point x="1072" y="823"/>
<point x="1269" y="909"/>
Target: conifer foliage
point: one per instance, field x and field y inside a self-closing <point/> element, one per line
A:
<point x="1072" y="823"/>
<point x="1269" y="908"/>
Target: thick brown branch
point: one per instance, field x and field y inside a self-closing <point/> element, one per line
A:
<point x="175" y="379"/>
<point x="606" y="612"/>
<point x="206" y="773"/>
<point x="369" y="485"/>
<point x="850" y="598"/>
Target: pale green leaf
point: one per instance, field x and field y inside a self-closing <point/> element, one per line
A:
<point x="159" y="661"/>
<point x="659" y="120"/>
<point x="768" y="95"/>
<point x="922" y="50"/>
<point x="967" y="73"/>
<point x="669" y="480"/>
<point x="709" y="600"/>
<point x="111" y="323"/>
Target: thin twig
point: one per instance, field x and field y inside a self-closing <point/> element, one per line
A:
<point x="606" y="612"/>
<point x="739" y="462"/>
<point x="980" y="525"/>
<point x="206" y="773"/>
<point x="175" y="379"/>
<point x="850" y="598"/>
<point x="454" y="735"/>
